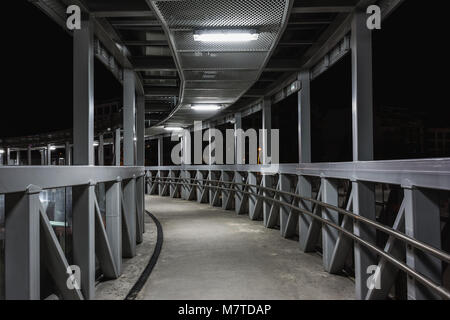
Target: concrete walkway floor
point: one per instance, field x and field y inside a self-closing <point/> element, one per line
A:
<point x="209" y="253"/>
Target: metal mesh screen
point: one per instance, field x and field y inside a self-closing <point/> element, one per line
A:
<point x="222" y="71"/>
<point x="222" y="13"/>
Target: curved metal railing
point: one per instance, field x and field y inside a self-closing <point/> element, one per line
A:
<point x="231" y="186"/>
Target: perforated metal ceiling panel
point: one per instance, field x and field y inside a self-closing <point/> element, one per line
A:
<point x="218" y="72"/>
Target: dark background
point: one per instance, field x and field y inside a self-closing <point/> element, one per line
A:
<point x="39" y="73"/>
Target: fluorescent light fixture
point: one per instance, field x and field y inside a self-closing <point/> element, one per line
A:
<point x="52" y="148"/>
<point x="225" y="35"/>
<point x="173" y="128"/>
<point x="2" y="151"/>
<point x="205" y="107"/>
<point x="95" y="144"/>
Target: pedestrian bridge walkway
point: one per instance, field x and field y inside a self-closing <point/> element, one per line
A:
<point x="210" y="253"/>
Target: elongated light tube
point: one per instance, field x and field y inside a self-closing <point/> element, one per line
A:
<point x="226" y="35"/>
<point x="205" y="107"/>
<point x="173" y="128"/>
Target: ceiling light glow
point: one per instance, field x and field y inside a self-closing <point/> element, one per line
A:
<point x="205" y="107"/>
<point x="226" y="35"/>
<point x="173" y="128"/>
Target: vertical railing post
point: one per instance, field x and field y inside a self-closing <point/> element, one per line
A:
<point x="285" y="185"/>
<point x="252" y="198"/>
<point x="423" y="223"/>
<point x="129" y="192"/>
<point x="304" y="221"/>
<point x="114" y="221"/>
<point x="140" y="208"/>
<point x="226" y="203"/>
<point x="238" y="196"/>
<point x="267" y="181"/>
<point x="329" y="234"/>
<point x="22" y="251"/>
<point x="84" y="236"/>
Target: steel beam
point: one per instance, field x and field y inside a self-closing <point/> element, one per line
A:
<point x="363" y="205"/>
<point x="362" y="128"/>
<point x="362" y="96"/>
<point x="129" y="117"/>
<point x="29" y="155"/>
<point x="83" y="93"/>
<point x="68" y="155"/>
<point x="422" y="222"/>
<point x="329" y="234"/>
<point x="140" y="131"/>
<point x="267" y="127"/>
<point x="114" y="221"/>
<point x="304" y="118"/>
<point x="129" y="205"/>
<point x="117" y="147"/>
<point x="101" y="151"/>
<point x="83" y="207"/>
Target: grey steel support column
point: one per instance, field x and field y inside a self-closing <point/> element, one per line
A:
<point x="422" y="222"/>
<point x="29" y="155"/>
<point x="129" y="119"/>
<point x="267" y="181"/>
<point x="101" y="150"/>
<point x="68" y="156"/>
<point x="49" y="155"/>
<point x="83" y="205"/>
<point x="18" y="157"/>
<point x="117" y="147"/>
<point x="114" y="221"/>
<point x="266" y="125"/>
<point x="237" y="126"/>
<point x="304" y="118"/>
<point x="226" y="194"/>
<point x="129" y="204"/>
<point x="304" y="156"/>
<point x="22" y="248"/>
<point x="8" y="156"/>
<point x="42" y="152"/>
<point x="140" y="161"/>
<point x="254" y="206"/>
<point x="160" y="151"/>
<point x="140" y="144"/>
<point x="329" y="234"/>
<point x="362" y="127"/>
<point x="84" y="236"/>
<point x="363" y="205"/>
<point x="83" y="94"/>
<point x="238" y="196"/>
<point x="305" y="190"/>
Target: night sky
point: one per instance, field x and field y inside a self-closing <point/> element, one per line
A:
<point x="39" y="82"/>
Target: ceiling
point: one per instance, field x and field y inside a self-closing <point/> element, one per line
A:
<point x="155" y="38"/>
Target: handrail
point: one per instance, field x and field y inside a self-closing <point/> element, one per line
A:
<point x="440" y="290"/>
<point x="400" y="236"/>
<point x="18" y="178"/>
